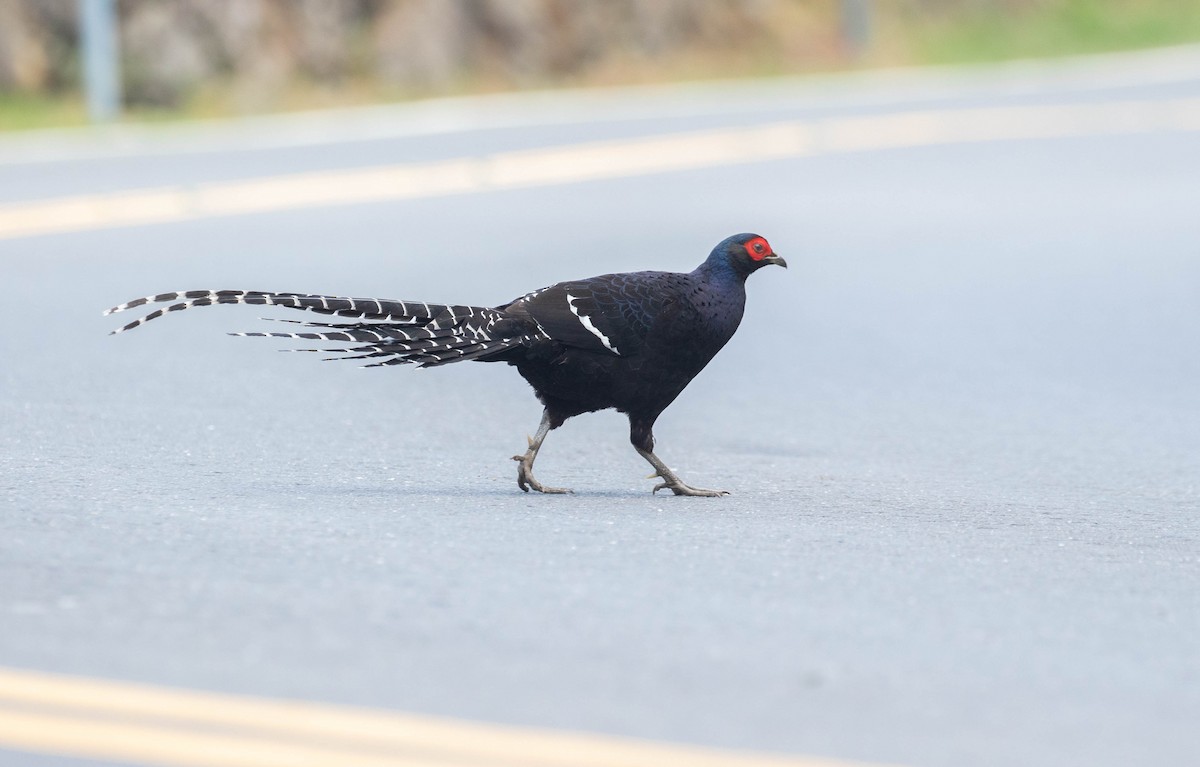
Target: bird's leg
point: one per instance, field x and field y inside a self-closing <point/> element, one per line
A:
<point x="642" y="437"/>
<point x="525" y="478"/>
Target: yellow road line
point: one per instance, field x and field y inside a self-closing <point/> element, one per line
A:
<point x="145" y="724"/>
<point x="140" y="744"/>
<point x="594" y="161"/>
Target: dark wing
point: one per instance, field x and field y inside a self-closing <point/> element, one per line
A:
<point x="610" y="314"/>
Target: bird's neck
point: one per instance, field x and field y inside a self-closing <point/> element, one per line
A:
<point x="724" y="292"/>
<point x="719" y="272"/>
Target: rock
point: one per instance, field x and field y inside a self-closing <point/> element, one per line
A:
<point x="422" y="43"/>
<point x="165" y="51"/>
<point x="24" y="60"/>
<point x="257" y="47"/>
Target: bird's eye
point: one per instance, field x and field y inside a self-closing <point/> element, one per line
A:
<point x="758" y="247"/>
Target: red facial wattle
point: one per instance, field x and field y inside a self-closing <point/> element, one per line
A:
<point x="758" y="248"/>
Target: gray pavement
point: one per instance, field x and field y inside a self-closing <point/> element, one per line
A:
<point x="962" y="434"/>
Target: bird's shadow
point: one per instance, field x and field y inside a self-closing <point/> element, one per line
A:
<point x="435" y="491"/>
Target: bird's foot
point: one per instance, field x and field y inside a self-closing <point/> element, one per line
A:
<point x="672" y="482"/>
<point x="680" y="488"/>
<point x="525" y="479"/>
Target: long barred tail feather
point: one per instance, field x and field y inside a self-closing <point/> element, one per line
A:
<point x="394" y="332"/>
<point x="413" y="312"/>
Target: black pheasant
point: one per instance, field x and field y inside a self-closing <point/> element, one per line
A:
<point x="626" y="341"/>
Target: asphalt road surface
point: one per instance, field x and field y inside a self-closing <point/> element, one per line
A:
<point x="961" y="432"/>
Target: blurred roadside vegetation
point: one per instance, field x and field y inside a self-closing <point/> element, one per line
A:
<point x="218" y="58"/>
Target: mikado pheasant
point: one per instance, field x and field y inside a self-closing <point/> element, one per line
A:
<point x="629" y="341"/>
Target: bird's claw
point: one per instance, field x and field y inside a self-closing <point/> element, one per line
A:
<point x="679" y="488"/>
<point x="527" y="482"/>
<point x="672" y="482"/>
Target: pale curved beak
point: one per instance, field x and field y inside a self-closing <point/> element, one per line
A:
<point x="777" y="260"/>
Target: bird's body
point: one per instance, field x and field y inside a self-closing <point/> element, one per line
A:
<point x="630" y="341"/>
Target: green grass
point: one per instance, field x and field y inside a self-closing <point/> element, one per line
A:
<point x="24" y="111"/>
<point x="1048" y="28"/>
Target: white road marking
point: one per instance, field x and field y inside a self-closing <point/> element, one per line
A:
<point x="597" y="160"/>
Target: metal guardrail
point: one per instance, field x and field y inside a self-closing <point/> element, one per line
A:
<point x="100" y="51"/>
<point x="856" y="25"/>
